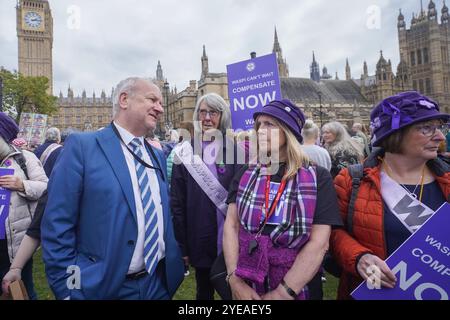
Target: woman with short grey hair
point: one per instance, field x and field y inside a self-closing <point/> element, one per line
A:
<point x="49" y="151"/>
<point x="53" y="135"/>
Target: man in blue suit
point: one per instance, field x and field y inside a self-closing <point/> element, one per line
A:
<point x="107" y="231"/>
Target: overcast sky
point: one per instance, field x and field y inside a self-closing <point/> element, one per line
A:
<point x="114" y="39"/>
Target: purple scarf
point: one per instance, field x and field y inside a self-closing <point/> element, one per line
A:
<point x="267" y="266"/>
<point x="297" y="211"/>
<point x="275" y="254"/>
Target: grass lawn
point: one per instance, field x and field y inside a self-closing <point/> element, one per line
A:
<point x="185" y="292"/>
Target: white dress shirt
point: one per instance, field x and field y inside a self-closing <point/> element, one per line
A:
<point x="137" y="261"/>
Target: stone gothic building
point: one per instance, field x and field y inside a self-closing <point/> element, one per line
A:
<point x="424" y="53"/>
<point x="424" y="66"/>
<point x="424" y="60"/>
<point x="82" y="113"/>
<point x="322" y="98"/>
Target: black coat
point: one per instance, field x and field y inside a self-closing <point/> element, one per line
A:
<point x="194" y="214"/>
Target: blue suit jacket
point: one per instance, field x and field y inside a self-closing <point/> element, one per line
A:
<point x="90" y="219"/>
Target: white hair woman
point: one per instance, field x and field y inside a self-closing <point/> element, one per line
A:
<point x="53" y="135"/>
<point x="49" y="151"/>
<point x="198" y="213"/>
<point x="343" y="150"/>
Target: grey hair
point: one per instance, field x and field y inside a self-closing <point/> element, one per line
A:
<point x="125" y="86"/>
<point x="217" y="103"/>
<point x="343" y="142"/>
<point x="174" y="136"/>
<point x="53" y="134"/>
<point x="310" y="130"/>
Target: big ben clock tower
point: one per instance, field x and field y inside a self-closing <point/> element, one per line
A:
<point x="35" y="38"/>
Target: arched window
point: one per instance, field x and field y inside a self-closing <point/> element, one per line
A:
<point x="421" y="88"/>
<point x="425" y="55"/>
<point x="413" y="58"/>
<point x="419" y="56"/>
<point x="428" y="86"/>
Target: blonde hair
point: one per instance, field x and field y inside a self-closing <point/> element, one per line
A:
<point x="310" y="130"/>
<point x="296" y="158"/>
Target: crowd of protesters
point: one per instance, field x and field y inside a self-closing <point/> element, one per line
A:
<point x="255" y="220"/>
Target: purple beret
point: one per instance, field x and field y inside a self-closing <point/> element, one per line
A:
<point x="8" y="128"/>
<point x="286" y="112"/>
<point x="402" y="110"/>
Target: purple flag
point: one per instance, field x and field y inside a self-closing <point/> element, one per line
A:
<point x="421" y="264"/>
<point x="251" y="85"/>
<point x="5" y="196"/>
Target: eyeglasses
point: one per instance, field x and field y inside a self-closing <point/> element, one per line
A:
<point x="212" y="114"/>
<point x="429" y="130"/>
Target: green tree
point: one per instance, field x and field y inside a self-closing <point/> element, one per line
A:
<point x="26" y="94"/>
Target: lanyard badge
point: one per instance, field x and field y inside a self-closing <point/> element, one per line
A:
<point x="253" y="244"/>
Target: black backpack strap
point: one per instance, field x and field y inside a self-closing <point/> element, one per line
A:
<point x="356" y="173"/>
<point x="20" y="159"/>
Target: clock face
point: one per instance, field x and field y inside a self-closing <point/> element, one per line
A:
<point x="33" y="19"/>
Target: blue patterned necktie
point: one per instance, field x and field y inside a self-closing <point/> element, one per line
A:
<point x="151" y="226"/>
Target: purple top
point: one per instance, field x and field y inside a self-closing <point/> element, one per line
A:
<point x="5" y="196"/>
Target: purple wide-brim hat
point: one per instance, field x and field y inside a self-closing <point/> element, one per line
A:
<point x="286" y="112"/>
<point x="8" y="127"/>
<point x="402" y="110"/>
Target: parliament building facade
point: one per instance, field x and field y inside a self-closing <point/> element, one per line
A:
<point x="424" y="66"/>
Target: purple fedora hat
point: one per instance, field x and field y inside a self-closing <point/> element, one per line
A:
<point x="402" y="110"/>
<point x="286" y="112"/>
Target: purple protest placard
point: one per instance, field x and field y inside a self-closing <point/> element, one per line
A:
<point x="5" y="196"/>
<point x="252" y="84"/>
<point x="421" y="264"/>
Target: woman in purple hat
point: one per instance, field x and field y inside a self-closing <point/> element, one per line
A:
<point x="408" y="128"/>
<point x="280" y="212"/>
